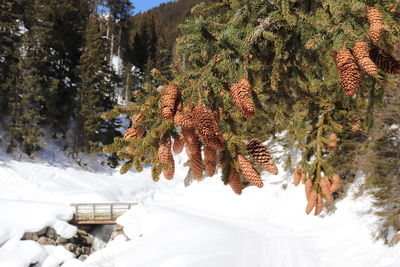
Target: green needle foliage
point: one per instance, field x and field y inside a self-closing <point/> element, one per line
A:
<point x="285" y="49"/>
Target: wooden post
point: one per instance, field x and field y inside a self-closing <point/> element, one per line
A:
<point x="112" y="212"/>
<point x="94" y="212"/>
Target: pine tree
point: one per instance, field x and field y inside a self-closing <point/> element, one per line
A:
<point x="10" y="13"/>
<point x="95" y="94"/>
<point x="290" y="62"/>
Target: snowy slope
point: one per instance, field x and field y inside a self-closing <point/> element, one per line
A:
<point x="204" y="224"/>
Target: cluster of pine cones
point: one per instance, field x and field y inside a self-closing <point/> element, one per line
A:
<point x="365" y="58"/>
<point x="200" y="132"/>
<point x="316" y="193"/>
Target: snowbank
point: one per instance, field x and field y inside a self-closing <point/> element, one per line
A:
<point x="205" y="224"/>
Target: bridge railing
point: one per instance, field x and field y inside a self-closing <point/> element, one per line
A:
<point x="99" y="213"/>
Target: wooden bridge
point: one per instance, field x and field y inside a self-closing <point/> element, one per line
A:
<point x="99" y="213"/>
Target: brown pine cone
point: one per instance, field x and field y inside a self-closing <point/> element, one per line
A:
<point x="375" y="32"/>
<point x="133" y="133"/>
<point x="361" y="53"/>
<point x="260" y="154"/>
<point x="335" y="180"/>
<point x="194" y="152"/>
<point x="234" y="181"/>
<point x="168" y="100"/>
<point x="332" y="145"/>
<point x="178" y="145"/>
<point x="297" y="176"/>
<point x="249" y="172"/>
<point x="350" y="74"/>
<point x="165" y="157"/>
<point x="385" y="61"/>
<point x="137" y="118"/>
<point x="374" y="15"/>
<point x="183" y="120"/>
<point x="325" y="185"/>
<point x="206" y="127"/>
<point x="308" y="188"/>
<point x="210" y="158"/>
<point x="241" y="97"/>
<point x="311" y="202"/>
<point x="303" y="177"/>
<point x="319" y="206"/>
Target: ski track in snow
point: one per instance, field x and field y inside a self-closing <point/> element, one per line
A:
<point x="203" y="225"/>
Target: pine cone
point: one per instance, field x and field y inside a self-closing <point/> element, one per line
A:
<point x="332" y="145"/>
<point x="319" y="206"/>
<point x="297" y="176"/>
<point x="234" y="181"/>
<point x="361" y="53"/>
<point x="375" y="32"/>
<point x="207" y="127"/>
<point x="168" y="100"/>
<point x="335" y="179"/>
<point x="261" y="155"/>
<point x="194" y="152"/>
<point x="178" y="145"/>
<point x="249" y="172"/>
<point x="303" y="177"/>
<point x="210" y="158"/>
<point x="377" y="26"/>
<point x="308" y="188"/>
<point x="165" y="157"/>
<point x="325" y="185"/>
<point x="385" y="61"/>
<point x="183" y="120"/>
<point x="311" y="202"/>
<point x="349" y="72"/>
<point x="137" y="118"/>
<point x="241" y="97"/>
<point x="133" y="133"/>
<point x="374" y="15"/>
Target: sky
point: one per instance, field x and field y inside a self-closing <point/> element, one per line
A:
<point x="144" y="5"/>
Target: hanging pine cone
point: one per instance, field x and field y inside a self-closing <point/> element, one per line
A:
<point x="206" y="127"/>
<point x="361" y="53"/>
<point x="249" y="172"/>
<point x="241" y="97"/>
<point x="385" y="61"/>
<point x="319" y="206"/>
<point x="178" y="145"/>
<point x="261" y="155"/>
<point x="297" y="176"/>
<point x="168" y="100"/>
<point x="234" y="181"/>
<point x="210" y="158"/>
<point x="133" y="133"/>
<point x="325" y="185"/>
<point x="332" y="144"/>
<point x="194" y="152"/>
<point x="335" y="180"/>
<point x="311" y="202"/>
<point x="183" y="120"/>
<point x="308" y="188"/>
<point x="137" y="118"/>
<point x="350" y="75"/>
<point x="165" y="157"/>
<point x="377" y="26"/>
<point x="303" y="177"/>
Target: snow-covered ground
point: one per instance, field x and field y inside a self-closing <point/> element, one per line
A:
<point x="204" y="224"/>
